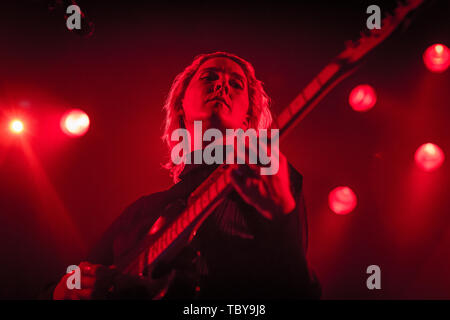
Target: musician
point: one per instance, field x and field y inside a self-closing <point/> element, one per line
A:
<point x="254" y="244"/>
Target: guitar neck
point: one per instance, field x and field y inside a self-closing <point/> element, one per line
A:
<point x="308" y="98"/>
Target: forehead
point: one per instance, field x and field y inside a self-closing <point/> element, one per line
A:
<point x="224" y="65"/>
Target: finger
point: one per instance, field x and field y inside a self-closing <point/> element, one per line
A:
<point x="247" y="187"/>
<point x="251" y="191"/>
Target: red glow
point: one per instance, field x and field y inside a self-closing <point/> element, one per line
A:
<point x="16" y="126"/>
<point x="429" y="157"/>
<point x="436" y="58"/>
<point x="362" y="98"/>
<point x="342" y="200"/>
<point x="75" y="123"/>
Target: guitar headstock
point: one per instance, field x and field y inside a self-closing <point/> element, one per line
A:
<point x="356" y="50"/>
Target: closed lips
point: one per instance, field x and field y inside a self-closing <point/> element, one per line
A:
<point x="219" y="99"/>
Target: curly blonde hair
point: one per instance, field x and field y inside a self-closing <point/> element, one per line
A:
<point x="260" y="116"/>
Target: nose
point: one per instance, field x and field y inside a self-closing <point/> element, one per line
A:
<point x="221" y="85"/>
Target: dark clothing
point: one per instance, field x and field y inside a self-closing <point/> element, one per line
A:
<point x="243" y="254"/>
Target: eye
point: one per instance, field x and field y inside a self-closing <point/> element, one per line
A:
<point x="236" y="84"/>
<point x="209" y="76"/>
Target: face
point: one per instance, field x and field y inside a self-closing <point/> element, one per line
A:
<point x="217" y="95"/>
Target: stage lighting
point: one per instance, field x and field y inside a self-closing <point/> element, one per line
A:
<point x="75" y="123"/>
<point x="16" y="126"/>
<point x="436" y="58"/>
<point x="362" y="98"/>
<point x="429" y="157"/>
<point x="342" y="200"/>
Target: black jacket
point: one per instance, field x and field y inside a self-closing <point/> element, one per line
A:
<point x="243" y="255"/>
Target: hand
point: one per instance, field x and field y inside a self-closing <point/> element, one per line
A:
<point x="269" y="194"/>
<point x="94" y="277"/>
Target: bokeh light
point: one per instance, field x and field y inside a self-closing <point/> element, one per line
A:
<point x="429" y="157"/>
<point x="75" y="123"/>
<point x="362" y="98"/>
<point x="436" y="58"/>
<point x="342" y="200"/>
<point x="16" y="126"/>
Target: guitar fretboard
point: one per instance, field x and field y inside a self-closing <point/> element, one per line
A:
<point x="302" y="104"/>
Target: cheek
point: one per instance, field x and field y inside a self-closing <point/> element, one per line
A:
<point x="242" y="103"/>
<point x="190" y="101"/>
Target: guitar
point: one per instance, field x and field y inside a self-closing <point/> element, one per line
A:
<point x="173" y="231"/>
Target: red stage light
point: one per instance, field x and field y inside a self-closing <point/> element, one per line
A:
<point x="429" y="157"/>
<point x="342" y="200"/>
<point x="16" y="126"/>
<point x="436" y="58"/>
<point x="75" y="123"/>
<point x="362" y="98"/>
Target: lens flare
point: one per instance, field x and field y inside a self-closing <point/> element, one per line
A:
<point x="429" y="157"/>
<point x="362" y="98"/>
<point x="75" y="123"/>
<point x="342" y="200"/>
<point x="437" y="58"/>
<point x="16" y="126"/>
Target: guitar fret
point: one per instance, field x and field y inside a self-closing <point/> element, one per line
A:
<point x="167" y="242"/>
<point x="198" y="208"/>
<point x="186" y="215"/>
<point x="220" y="184"/>
<point x="169" y="236"/>
<point x="160" y="245"/>
<point x="298" y="103"/>
<point x="174" y="232"/>
<point x="213" y="191"/>
<point x="156" y="245"/>
<point x="205" y="200"/>
<point x="179" y="225"/>
<point x="312" y="88"/>
<point x="226" y="178"/>
<point x="284" y="118"/>
<point x="161" y="241"/>
<point x="151" y="255"/>
<point x="216" y="187"/>
<point x="328" y="72"/>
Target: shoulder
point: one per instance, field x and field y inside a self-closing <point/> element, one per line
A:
<point x="145" y="205"/>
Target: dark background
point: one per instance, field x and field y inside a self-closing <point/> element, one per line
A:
<point x="58" y="194"/>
